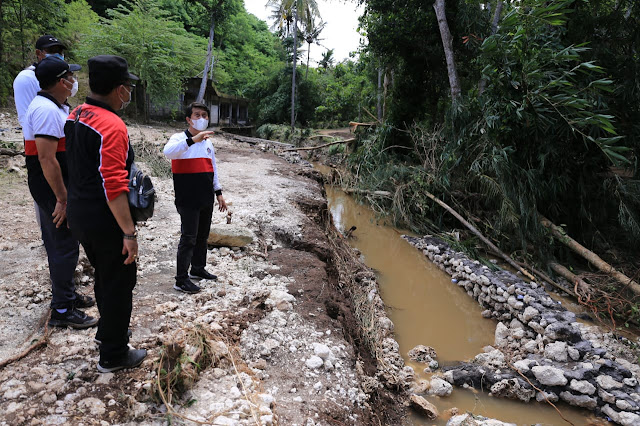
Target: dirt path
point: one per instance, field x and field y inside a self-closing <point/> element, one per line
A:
<point x="281" y="335"/>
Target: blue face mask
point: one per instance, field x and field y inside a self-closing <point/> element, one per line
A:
<point x="55" y="55"/>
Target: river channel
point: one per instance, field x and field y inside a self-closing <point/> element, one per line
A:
<point x="427" y="309"/>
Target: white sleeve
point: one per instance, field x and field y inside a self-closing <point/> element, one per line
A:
<point x="25" y="89"/>
<point x="176" y="146"/>
<point x="216" y="182"/>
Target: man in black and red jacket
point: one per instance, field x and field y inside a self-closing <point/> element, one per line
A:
<point x="100" y="156"/>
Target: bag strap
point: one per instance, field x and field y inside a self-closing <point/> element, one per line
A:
<point x="78" y="114"/>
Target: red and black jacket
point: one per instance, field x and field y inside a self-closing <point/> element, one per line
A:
<point x="99" y="156"/>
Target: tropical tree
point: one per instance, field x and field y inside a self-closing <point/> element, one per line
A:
<point x="327" y="59"/>
<point x="312" y="35"/>
<point x="218" y="10"/>
<point x="305" y="11"/>
<point x="158" y="49"/>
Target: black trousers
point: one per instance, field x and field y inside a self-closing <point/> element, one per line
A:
<point x="62" y="252"/>
<point x="195" y="224"/>
<point x="114" y="283"/>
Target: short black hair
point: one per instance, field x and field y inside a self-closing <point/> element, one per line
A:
<point x="46" y="85"/>
<point x="192" y="105"/>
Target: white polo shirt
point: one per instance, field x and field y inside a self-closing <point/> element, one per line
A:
<point x="25" y="89"/>
<point x="45" y="117"/>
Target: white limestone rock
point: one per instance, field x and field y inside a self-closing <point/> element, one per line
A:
<point x="556" y="351"/>
<point x="582" y="386"/>
<point x="608" y="382"/>
<point x="440" y="387"/>
<point x="549" y="376"/>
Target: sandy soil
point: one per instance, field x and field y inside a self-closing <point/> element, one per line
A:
<point x="281" y="335"/>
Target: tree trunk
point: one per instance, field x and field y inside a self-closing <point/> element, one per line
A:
<point x="447" y="43"/>
<point x="496" y="17"/>
<point x="293" y="76"/>
<point x="379" y="103"/>
<point x="205" y="74"/>
<point x="494" y="29"/>
<point x="590" y="256"/>
<point x="306" y="73"/>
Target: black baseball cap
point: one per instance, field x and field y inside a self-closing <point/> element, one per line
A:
<point x="109" y="71"/>
<point x="48" y="41"/>
<point x="51" y="68"/>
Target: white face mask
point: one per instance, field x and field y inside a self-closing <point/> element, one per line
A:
<point x="74" y="89"/>
<point x="125" y="103"/>
<point x="200" y="124"/>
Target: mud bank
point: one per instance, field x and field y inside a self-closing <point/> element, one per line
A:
<point x="284" y="321"/>
<point x="541" y="351"/>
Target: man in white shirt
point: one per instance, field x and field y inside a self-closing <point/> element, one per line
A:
<point x="195" y="181"/>
<point x="25" y="85"/>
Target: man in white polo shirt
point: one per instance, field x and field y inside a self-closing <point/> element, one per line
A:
<point x="44" y="148"/>
<point x="26" y="86"/>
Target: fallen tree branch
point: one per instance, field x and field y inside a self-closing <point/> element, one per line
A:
<point x="590" y="256"/>
<point x="578" y="283"/>
<point x="252" y="141"/>
<point x="479" y="235"/>
<point x="546" y="278"/>
<point x="310" y="148"/>
<point x="367" y="192"/>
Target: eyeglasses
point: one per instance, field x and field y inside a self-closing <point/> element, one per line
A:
<point x="129" y="85"/>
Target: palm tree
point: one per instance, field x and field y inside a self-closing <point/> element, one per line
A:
<point x="327" y="59"/>
<point x="303" y="11"/>
<point x="312" y="35"/>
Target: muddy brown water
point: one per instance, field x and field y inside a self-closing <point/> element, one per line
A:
<point x="427" y="309"/>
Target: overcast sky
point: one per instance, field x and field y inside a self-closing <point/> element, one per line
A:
<point x="339" y="34"/>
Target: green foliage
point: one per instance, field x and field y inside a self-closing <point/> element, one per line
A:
<point x="80" y="21"/>
<point x="347" y="90"/>
<point x="273" y="97"/>
<point x="248" y="53"/>
<point x="157" y="48"/>
<point x="21" y="23"/>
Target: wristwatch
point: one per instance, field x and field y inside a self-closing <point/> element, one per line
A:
<point x="133" y="236"/>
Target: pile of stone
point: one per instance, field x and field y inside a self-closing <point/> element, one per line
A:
<point x="537" y="343"/>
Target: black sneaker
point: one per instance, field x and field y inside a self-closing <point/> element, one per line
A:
<point x="74" y="318"/>
<point x="186" y="286"/>
<point x="99" y="342"/>
<point x="133" y="358"/>
<point x="202" y="274"/>
<point x="83" y="301"/>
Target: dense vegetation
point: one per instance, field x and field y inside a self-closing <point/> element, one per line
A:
<point x="545" y="122"/>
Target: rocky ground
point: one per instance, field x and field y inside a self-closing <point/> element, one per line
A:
<point x="271" y="341"/>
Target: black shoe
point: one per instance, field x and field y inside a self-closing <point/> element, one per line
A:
<point x="133" y="358"/>
<point x="99" y="342"/>
<point x="72" y="318"/>
<point x="83" y="301"/>
<point x="186" y="286"/>
<point x="202" y="274"/>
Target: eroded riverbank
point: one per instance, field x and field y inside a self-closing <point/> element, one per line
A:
<point x="428" y="309"/>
